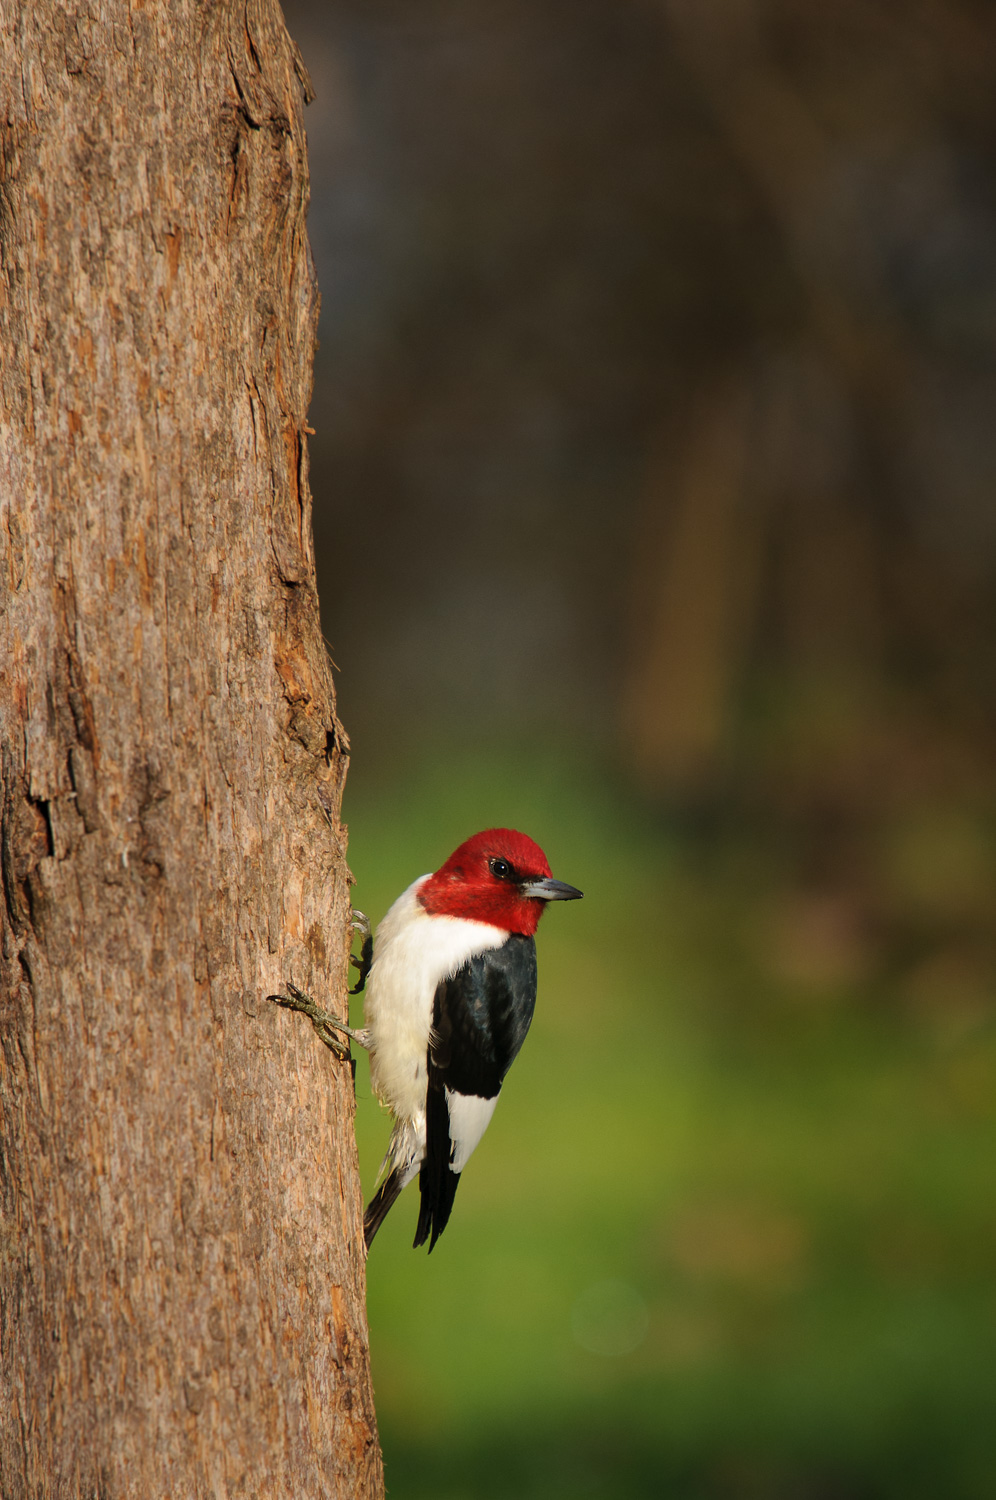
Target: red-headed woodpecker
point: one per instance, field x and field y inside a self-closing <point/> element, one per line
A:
<point x="449" y="999"/>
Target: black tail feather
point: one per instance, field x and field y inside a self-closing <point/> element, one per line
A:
<point x="437" y="1184"/>
<point x="438" y="1190"/>
<point x="380" y="1205"/>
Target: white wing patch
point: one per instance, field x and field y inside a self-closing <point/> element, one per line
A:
<point x="470" y="1116"/>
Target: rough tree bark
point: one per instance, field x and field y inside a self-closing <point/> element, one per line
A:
<point x="181" y="1254"/>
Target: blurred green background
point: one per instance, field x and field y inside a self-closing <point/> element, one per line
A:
<point x="654" y="480"/>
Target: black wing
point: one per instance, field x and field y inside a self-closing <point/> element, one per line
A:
<point x="480" y="1019"/>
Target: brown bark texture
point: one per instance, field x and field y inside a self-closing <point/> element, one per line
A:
<point x="181" y="1253"/>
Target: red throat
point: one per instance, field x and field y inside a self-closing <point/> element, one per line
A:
<point x="467" y="885"/>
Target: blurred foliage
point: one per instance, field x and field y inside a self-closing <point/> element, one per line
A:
<point x="654" y="475"/>
<point x="655" y="407"/>
<point x="658" y="366"/>
<point x="732" y="1231"/>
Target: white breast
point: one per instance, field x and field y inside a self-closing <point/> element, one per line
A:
<point x="412" y="953"/>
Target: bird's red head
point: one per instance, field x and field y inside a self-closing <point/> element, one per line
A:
<point x="500" y="877"/>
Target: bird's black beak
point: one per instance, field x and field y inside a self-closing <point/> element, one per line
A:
<point x="549" y="889"/>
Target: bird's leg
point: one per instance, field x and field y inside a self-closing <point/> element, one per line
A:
<point x="361" y="924"/>
<point x="323" y="1023"/>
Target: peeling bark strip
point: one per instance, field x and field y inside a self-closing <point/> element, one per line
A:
<point x="181" y="1264"/>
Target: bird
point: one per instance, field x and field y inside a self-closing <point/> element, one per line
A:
<point x="450" y="993"/>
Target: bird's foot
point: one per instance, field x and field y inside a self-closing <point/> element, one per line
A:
<point x="361" y="924"/>
<point x="324" y="1024"/>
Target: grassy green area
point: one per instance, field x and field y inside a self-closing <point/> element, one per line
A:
<point x="732" y="1230"/>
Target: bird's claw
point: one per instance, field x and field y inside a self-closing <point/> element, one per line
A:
<point x="323" y="1023"/>
<point x="361" y="924"/>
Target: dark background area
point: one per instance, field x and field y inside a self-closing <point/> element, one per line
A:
<point x="653" y="468"/>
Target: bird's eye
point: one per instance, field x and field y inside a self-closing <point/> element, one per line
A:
<point x="500" y="869"/>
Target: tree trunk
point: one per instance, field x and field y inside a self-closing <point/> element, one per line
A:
<point x="181" y="1253"/>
